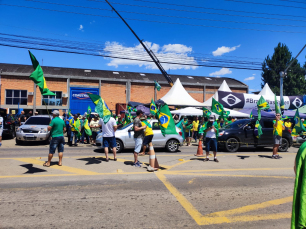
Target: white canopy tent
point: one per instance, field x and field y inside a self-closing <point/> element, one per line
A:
<point x="266" y="91"/>
<point x="178" y="96"/>
<point x="223" y="87"/>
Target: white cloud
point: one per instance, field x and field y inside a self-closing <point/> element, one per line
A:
<point x="92" y="22"/>
<point x="81" y="28"/>
<point x="254" y="90"/>
<point x="221" y="72"/>
<point x="221" y="50"/>
<point x="253" y="74"/>
<point x="177" y="53"/>
<point x="249" y="78"/>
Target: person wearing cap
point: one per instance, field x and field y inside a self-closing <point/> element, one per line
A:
<point x="75" y="127"/>
<point x="95" y="128"/>
<point x="57" y="128"/>
<point x="212" y="132"/>
<point x="138" y="136"/>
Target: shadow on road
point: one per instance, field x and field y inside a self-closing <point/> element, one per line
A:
<point x="32" y="169"/>
<point x="265" y="156"/>
<point x="243" y="157"/>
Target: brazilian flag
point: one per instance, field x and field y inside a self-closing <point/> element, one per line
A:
<point x="101" y="107"/>
<point x="157" y="86"/>
<point x="153" y="108"/>
<point x="165" y="120"/>
<point x="251" y="115"/>
<point x="257" y="130"/>
<point x="88" y="111"/>
<point x="38" y="77"/>
<point x="69" y="113"/>
<point x="298" y="123"/>
<point x="217" y="107"/>
<point x="206" y="112"/>
<point x="262" y="104"/>
<point x="226" y="114"/>
<point x="277" y="109"/>
<point x="282" y="105"/>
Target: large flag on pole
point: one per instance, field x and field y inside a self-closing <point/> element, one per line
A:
<point x="257" y="130"/>
<point x="298" y="122"/>
<point x="153" y="108"/>
<point x="101" y="107"/>
<point x="277" y="110"/>
<point x="206" y="112"/>
<point x="282" y="105"/>
<point x="157" y="86"/>
<point x="166" y="122"/>
<point x="262" y="105"/>
<point x="217" y="107"/>
<point x="38" y="77"/>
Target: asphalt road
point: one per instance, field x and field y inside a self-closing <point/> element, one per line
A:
<point x="247" y="189"/>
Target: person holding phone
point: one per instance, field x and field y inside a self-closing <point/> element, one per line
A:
<point x="278" y="127"/>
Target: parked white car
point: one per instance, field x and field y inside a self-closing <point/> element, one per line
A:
<point x="125" y="138"/>
<point x="34" y="129"/>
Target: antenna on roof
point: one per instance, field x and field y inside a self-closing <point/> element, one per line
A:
<point x="151" y="54"/>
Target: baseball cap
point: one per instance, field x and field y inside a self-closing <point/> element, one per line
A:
<point x="55" y="112"/>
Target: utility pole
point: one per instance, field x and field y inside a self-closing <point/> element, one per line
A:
<point x="151" y="54"/>
<point x="284" y="73"/>
<point x="0" y="86"/>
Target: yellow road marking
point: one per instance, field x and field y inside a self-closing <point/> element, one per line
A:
<point x="180" y="163"/>
<point x="224" y="216"/>
<point x="225" y="175"/>
<point x="191" y="181"/>
<point x="45" y="175"/>
<point x="228" y="170"/>
<point x="62" y="168"/>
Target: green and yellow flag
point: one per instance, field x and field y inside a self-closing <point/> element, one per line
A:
<point x="87" y="128"/>
<point x="157" y="86"/>
<point x="165" y="120"/>
<point x="69" y="113"/>
<point x="38" y="77"/>
<point x="298" y="218"/>
<point x="251" y="115"/>
<point x="88" y="111"/>
<point x="298" y="122"/>
<point x="206" y="112"/>
<point x="153" y="108"/>
<point x="217" y="107"/>
<point x="257" y="130"/>
<point x="262" y="105"/>
<point x="282" y="105"/>
<point x="101" y="107"/>
<point x="277" y="110"/>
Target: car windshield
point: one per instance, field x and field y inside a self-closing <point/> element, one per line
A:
<point x="126" y="126"/>
<point x="237" y="124"/>
<point x="38" y="121"/>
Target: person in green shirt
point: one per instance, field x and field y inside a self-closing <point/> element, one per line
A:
<point x="57" y="128"/>
<point x="187" y="129"/>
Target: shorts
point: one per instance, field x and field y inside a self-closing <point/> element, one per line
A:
<point x="277" y="139"/>
<point x="57" y="142"/>
<point x="109" y="142"/>
<point x="94" y="135"/>
<point x="147" y="139"/>
<point x="188" y="134"/>
<point x="211" y="143"/>
<point x="138" y="144"/>
<point x="1" y="131"/>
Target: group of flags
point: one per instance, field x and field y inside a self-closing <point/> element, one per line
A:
<point x="216" y="108"/>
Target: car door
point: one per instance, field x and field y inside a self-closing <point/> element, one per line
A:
<point x="158" y="139"/>
<point x="267" y="132"/>
<point x="129" y="137"/>
<point x="248" y="136"/>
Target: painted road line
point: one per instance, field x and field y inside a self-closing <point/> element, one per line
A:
<point x="225" y="175"/>
<point x="62" y="168"/>
<point x="180" y="163"/>
<point x="229" y="170"/>
<point x="191" y="181"/>
<point x="46" y="175"/>
<point x="224" y="216"/>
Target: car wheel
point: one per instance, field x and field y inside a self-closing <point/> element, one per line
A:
<point x="119" y="146"/>
<point x="172" y="145"/>
<point x="284" y="146"/>
<point x="18" y="142"/>
<point x="13" y="135"/>
<point x="231" y="145"/>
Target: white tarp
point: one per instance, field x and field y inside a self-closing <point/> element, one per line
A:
<point x="191" y="111"/>
<point x="178" y="96"/>
<point x="224" y="87"/>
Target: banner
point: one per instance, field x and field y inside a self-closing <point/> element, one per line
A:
<point x="233" y="100"/>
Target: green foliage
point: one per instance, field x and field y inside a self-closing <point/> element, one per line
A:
<point x="294" y="82"/>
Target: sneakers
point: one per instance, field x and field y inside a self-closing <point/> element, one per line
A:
<point x="137" y="164"/>
<point x="150" y="168"/>
<point x="206" y="159"/>
<point x="216" y="160"/>
<point x="276" y="157"/>
<point x="0" y="143"/>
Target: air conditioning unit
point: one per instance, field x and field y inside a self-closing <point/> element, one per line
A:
<point x="65" y="95"/>
<point x="30" y="93"/>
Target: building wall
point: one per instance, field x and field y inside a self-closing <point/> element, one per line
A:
<point x="113" y="93"/>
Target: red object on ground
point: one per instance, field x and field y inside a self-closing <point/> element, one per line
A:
<point x="200" y="149"/>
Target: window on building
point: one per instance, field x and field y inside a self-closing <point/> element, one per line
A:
<point x="15" y="97"/>
<point x="53" y="100"/>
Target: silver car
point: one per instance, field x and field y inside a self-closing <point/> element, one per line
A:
<point x="125" y="138"/>
<point x="34" y="129"/>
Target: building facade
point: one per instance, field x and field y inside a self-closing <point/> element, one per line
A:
<point x="117" y="88"/>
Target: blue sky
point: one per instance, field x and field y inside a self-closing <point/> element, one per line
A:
<point x="172" y="39"/>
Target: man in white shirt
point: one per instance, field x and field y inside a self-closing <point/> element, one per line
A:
<point x="211" y="138"/>
<point x="109" y="139"/>
<point x="1" y="129"/>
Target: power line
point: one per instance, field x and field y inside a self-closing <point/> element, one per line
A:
<point x="162" y="22"/>
<point x="293" y="1"/>
<point x="267" y="4"/>
<point x="189" y="6"/>
<point x="202" y="19"/>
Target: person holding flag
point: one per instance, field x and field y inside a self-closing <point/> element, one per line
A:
<point x="278" y="127"/>
<point x="75" y="126"/>
<point x="212" y="132"/>
<point x="138" y="136"/>
<point x="153" y="108"/>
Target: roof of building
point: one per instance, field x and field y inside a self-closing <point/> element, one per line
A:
<point x="57" y="71"/>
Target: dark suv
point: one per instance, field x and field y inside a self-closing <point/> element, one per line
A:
<point x="241" y="132"/>
<point x="8" y="127"/>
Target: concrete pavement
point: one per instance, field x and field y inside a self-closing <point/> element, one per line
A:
<point x="245" y="190"/>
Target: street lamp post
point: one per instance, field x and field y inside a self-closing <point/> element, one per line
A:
<point x="282" y="74"/>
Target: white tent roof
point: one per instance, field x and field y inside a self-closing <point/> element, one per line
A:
<point x="178" y="96"/>
<point x="190" y="111"/>
<point x="223" y="87"/>
<point x="237" y="114"/>
<point x="266" y="91"/>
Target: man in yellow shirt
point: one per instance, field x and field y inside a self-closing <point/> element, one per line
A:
<point x="75" y="126"/>
<point x="287" y="123"/>
<point x="195" y="125"/>
<point x="278" y="127"/>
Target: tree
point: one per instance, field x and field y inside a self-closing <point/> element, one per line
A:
<point x="294" y="82"/>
